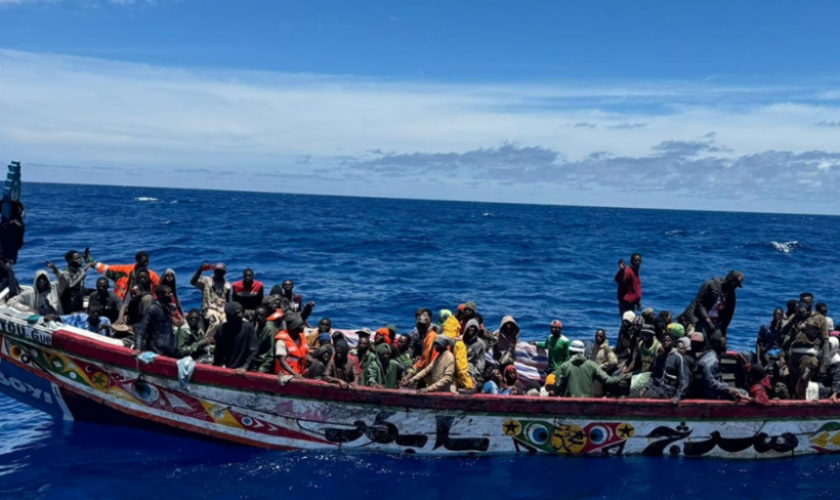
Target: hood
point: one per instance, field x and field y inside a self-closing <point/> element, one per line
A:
<point x="473" y="322"/>
<point x="172" y="272"/>
<point x="276" y="290"/>
<point x="509" y="319"/>
<point x="231" y="308"/>
<point x="578" y="359"/>
<point x="38" y="274"/>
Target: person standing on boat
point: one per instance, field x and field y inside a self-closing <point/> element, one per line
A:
<point x="71" y="281"/>
<point x="709" y="376"/>
<point x="807" y="337"/>
<point x="109" y="301"/>
<point x="248" y="292"/>
<point x="576" y="377"/>
<point x="629" y="284"/>
<point x="41" y="299"/>
<point x="266" y="332"/>
<point x="124" y="275"/>
<point x="169" y="279"/>
<point x="236" y="340"/>
<point x="290" y="348"/>
<point x="295" y="301"/>
<point x="12" y="230"/>
<point x="712" y="309"/>
<point x="557" y="346"/>
<point x="154" y="332"/>
<point x="343" y="369"/>
<point x="215" y="290"/>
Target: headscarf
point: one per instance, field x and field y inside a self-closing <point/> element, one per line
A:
<point x="174" y="278"/>
<point x="508" y="369"/>
<point x="233" y="325"/>
<point x="380" y="350"/>
<point x="676" y="330"/>
<point x="341" y="345"/>
<point x="325" y="348"/>
<point x="276" y="290"/>
<point x="443" y="315"/>
<point x="386" y="334"/>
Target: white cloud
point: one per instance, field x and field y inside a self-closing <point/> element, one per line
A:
<point x="79" y="111"/>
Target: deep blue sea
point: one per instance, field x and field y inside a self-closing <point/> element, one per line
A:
<point x="369" y="262"/>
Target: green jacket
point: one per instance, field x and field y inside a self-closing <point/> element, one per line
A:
<point x="186" y="340"/>
<point x="576" y="378"/>
<point x="264" y="362"/>
<point x="558" y="351"/>
<point x="393" y="375"/>
<point x="372" y="371"/>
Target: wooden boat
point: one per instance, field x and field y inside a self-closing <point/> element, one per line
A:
<point x="77" y="375"/>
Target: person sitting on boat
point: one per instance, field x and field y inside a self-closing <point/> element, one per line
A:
<point x="124" y="275"/>
<point x="111" y="304"/>
<point x="649" y="348"/>
<point x="463" y="380"/>
<point x="92" y="321"/>
<point x="192" y="340"/>
<point x="628" y="338"/>
<point x="168" y="278"/>
<point x="769" y="341"/>
<point x="670" y="377"/>
<point x="504" y="342"/>
<point x="295" y="301"/>
<point x="372" y="373"/>
<point x="248" y="292"/>
<point x="465" y="313"/>
<point x="318" y="361"/>
<point x="440" y="375"/>
<point x="132" y="310"/>
<point x="382" y="336"/>
<point x="476" y="353"/>
<point x="266" y="331"/>
<point x="215" y="290"/>
<point x="603" y="356"/>
<point x="428" y="352"/>
<point x="321" y="336"/>
<point x="502" y="383"/>
<point x="830" y="387"/>
<point x="708" y="377"/>
<point x="422" y="326"/>
<point x="291" y="350"/>
<point x="714" y="306"/>
<point x="806" y="338"/>
<point x="71" y="281"/>
<point x="154" y="332"/>
<point x="42" y="298"/>
<point x="392" y="371"/>
<point x="403" y="355"/>
<point x="677" y="331"/>
<point x="576" y="377"/>
<point x="557" y="346"/>
<point x="343" y="369"/>
<point x="760" y="385"/>
<point x="236" y="340"/>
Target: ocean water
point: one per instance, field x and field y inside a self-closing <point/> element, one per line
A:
<point x="369" y="262"/>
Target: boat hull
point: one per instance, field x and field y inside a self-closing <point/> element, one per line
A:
<point x="71" y="375"/>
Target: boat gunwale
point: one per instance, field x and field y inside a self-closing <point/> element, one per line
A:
<point x="225" y="378"/>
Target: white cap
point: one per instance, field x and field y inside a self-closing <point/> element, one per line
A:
<point x="577" y="346"/>
<point x="629" y="316"/>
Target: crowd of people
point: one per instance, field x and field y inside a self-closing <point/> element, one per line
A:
<point x="241" y="327"/>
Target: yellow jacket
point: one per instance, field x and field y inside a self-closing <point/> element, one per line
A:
<point x="452" y="330"/>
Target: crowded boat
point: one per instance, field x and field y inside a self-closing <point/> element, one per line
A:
<point x="245" y="327"/>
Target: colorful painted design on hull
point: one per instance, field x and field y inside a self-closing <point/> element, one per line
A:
<point x="278" y="420"/>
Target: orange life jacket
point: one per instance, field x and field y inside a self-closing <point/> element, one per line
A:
<point x="295" y="353"/>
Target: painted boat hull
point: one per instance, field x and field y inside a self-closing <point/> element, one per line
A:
<point x="75" y="375"/>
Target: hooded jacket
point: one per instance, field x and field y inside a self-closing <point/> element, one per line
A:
<point x="42" y="303"/>
<point x="576" y="378"/>
<point x="504" y="353"/>
<point x="236" y="340"/>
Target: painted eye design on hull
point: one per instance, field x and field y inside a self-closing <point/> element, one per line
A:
<point x="538" y="434"/>
<point x="600" y="434"/>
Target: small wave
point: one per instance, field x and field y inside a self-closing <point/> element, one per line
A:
<point x="145" y="198"/>
<point x="674" y="232"/>
<point x="487" y="214"/>
<point x="786" y="247"/>
<point x="174" y="201"/>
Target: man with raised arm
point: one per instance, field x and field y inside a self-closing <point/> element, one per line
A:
<point x="124" y="275"/>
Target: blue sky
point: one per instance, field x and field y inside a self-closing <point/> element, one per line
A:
<point x="646" y="104"/>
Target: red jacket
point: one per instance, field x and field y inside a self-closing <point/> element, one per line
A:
<point x="629" y="285"/>
<point x="759" y="390"/>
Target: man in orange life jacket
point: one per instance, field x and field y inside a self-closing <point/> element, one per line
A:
<point x="290" y="348"/>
